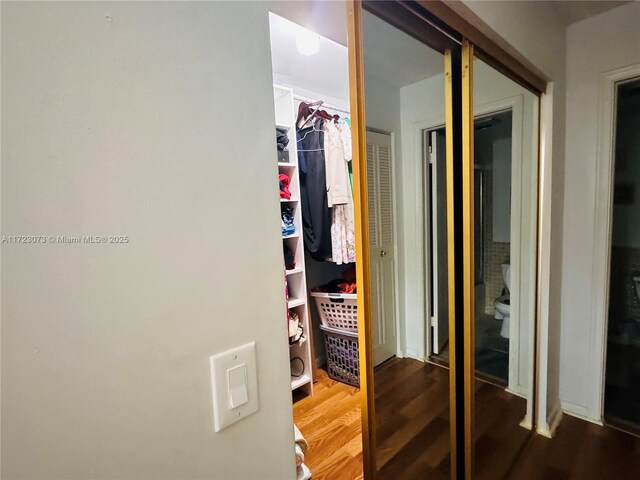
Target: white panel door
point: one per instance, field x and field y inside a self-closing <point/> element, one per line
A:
<point x="382" y="241"/>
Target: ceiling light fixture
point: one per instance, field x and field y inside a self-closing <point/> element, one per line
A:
<point x="307" y="42"/>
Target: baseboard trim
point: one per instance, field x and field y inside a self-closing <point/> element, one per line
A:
<point x="518" y="392"/>
<point x="578" y="411"/>
<point x="412" y="354"/>
<point x="526" y="423"/>
<point x="548" y="429"/>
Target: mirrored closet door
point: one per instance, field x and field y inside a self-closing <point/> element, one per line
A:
<point x="500" y="223"/>
<point x="406" y="91"/>
<point x="446" y="177"/>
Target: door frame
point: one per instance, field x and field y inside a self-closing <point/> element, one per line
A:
<point x="516" y="105"/>
<point x="605" y="164"/>
<point x="429" y="240"/>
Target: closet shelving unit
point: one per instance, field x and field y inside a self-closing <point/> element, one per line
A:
<point x="296" y="277"/>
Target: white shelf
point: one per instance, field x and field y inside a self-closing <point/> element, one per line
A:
<point x="297" y="382"/>
<point x="285" y="117"/>
<point x="296" y="302"/>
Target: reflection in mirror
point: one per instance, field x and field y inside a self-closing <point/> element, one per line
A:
<point x="404" y="86"/>
<point x="505" y="218"/>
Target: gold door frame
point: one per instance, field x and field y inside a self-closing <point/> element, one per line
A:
<point x="468" y="256"/>
<point x="363" y="254"/>
<point x="451" y="265"/>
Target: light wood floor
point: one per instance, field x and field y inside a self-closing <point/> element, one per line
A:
<point x="330" y="421"/>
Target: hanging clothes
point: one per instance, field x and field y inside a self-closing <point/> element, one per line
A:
<point x="339" y="196"/>
<point x="316" y="216"/>
<point x="345" y="134"/>
<point x="336" y="166"/>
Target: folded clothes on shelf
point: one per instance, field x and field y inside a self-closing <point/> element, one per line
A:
<point x="284" y="186"/>
<point x="288" y="228"/>
<point x="296" y="332"/>
<point x="282" y="139"/>
<point x="289" y="258"/>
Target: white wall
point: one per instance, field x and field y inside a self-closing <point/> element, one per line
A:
<point x="594" y="46"/>
<point x="501" y="191"/>
<point x="139" y="119"/>
<point x="422" y="107"/>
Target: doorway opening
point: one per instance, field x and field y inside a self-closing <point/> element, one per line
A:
<point x="492" y="162"/>
<point x="622" y="378"/>
<point x="312" y="129"/>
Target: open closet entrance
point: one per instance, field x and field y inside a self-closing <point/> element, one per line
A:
<point x="314" y="143"/>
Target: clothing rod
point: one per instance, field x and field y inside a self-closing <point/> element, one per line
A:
<point x="324" y="105"/>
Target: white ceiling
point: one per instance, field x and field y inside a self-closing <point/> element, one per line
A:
<point x="326" y="72"/>
<point x="395" y="57"/>
<point x="325" y="17"/>
<point x="329" y="19"/>
<point x="575" y="11"/>
<point x="390" y="55"/>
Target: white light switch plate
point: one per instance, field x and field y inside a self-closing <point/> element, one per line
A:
<point x="224" y="370"/>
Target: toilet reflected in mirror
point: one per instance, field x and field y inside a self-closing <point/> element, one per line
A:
<point x="502" y="305"/>
<point x="493" y="242"/>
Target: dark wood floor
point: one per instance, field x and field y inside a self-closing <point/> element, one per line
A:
<point x="580" y="451"/>
<point x="412" y="420"/>
<point x="412" y="416"/>
<point x="499" y="437"/>
<point x="413" y="433"/>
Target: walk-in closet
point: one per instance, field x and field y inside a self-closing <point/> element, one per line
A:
<point x="313" y="141"/>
